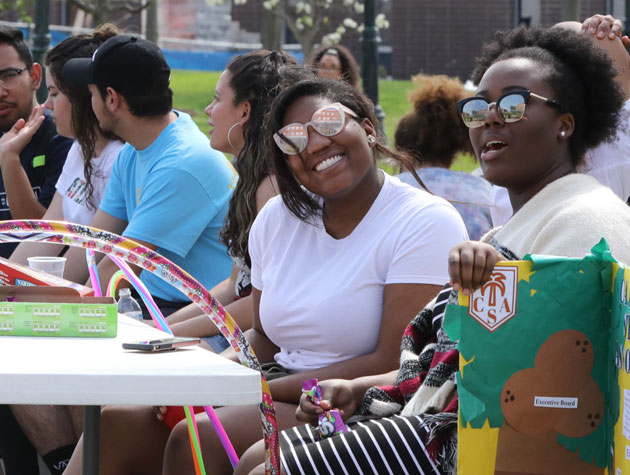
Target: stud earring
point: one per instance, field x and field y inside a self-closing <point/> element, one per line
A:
<point x="371" y="139"/>
<point x="563" y="133"/>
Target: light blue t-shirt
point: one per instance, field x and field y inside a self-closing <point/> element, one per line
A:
<point x="175" y="195"/>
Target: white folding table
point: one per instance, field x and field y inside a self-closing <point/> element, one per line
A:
<point x="94" y="372"/>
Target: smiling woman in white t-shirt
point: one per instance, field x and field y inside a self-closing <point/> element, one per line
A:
<point x="86" y="171"/>
<point x="342" y="260"/>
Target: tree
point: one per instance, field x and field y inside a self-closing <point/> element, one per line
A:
<point x="271" y="31"/>
<point x="101" y="10"/>
<point x="19" y="6"/>
<point x="310" y="20"/>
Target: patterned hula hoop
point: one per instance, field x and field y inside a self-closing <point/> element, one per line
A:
<point x="68" y="234"/>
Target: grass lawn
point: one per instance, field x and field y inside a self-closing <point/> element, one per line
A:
<point x="193" y="91"/>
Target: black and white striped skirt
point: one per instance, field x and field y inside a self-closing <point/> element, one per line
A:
<point x="394" y="445"/>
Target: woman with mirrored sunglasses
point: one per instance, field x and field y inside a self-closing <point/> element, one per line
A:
<point x="558" y="212"/>
<point x="546" y="97"/>
<point x="341" y="260"/>
<point x="347" y="254"/>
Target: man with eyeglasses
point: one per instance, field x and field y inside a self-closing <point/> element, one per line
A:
<point x="31" y="158"/>
<point x="31" y="153"/>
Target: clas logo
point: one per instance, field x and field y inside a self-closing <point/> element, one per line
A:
<point x="495" y="303"/>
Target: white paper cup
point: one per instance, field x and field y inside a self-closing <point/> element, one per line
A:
<point x="50" y="265"/>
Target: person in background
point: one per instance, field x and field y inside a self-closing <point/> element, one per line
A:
<point x="86" y="171"/>
<point x="336" y="62"/>
<point x="433" y="134"/>
<point x="609" y="162"/>
<point x="242" y="98"/>
<point x="544" y="97"/>
<point x="32" y="154"/>
<point x="344" y="246"/>
<point x="54" y="430"/>
<point x="168" y="190"/>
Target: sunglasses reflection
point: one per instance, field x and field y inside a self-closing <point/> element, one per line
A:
<point x="327" y="121"/>
<point x="510" y="107"/>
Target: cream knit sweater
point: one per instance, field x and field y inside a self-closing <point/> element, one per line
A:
<point x="567" y="218"/>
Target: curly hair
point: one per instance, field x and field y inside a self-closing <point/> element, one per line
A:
<point x="254" y="77"/>
<point x="84" y="123"/>
<point x="301" y="203"/>
<point x="349" y="66"/>
<point x="433" y="133"/>
<point x="580" y="74"/>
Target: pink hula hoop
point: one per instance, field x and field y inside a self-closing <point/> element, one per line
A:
<point x="68" y="234"/>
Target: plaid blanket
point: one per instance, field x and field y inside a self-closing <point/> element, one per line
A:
<point x="426" y="381"/>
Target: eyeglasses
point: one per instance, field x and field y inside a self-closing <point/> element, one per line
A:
<point x="328" y="121"/>
<point x="510" y="106"/>
<point x="9" y="77"/>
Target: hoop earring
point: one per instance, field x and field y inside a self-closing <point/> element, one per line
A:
<point x="229" y="132"/>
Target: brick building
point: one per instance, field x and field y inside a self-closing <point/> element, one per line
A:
<point x="445" y="37"/>
<point x="429" y="36"/>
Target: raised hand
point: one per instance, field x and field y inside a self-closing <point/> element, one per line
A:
<point x="605" y="25"/>
<point x="470" y="265"/>
<point x="13" y="141"/>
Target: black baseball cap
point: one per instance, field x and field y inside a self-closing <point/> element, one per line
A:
<point x="127" y="63"/>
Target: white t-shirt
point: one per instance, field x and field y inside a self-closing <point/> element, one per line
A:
<point x="609" y="162"/>
<point x="322" y="297"/>
<point x="71" y="182"/>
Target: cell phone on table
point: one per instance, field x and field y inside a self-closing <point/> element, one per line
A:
<point x="164" y="344"/>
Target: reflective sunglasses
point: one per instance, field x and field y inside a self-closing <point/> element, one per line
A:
<point x="510" y="106"/>
<point x="327" y="121"/>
